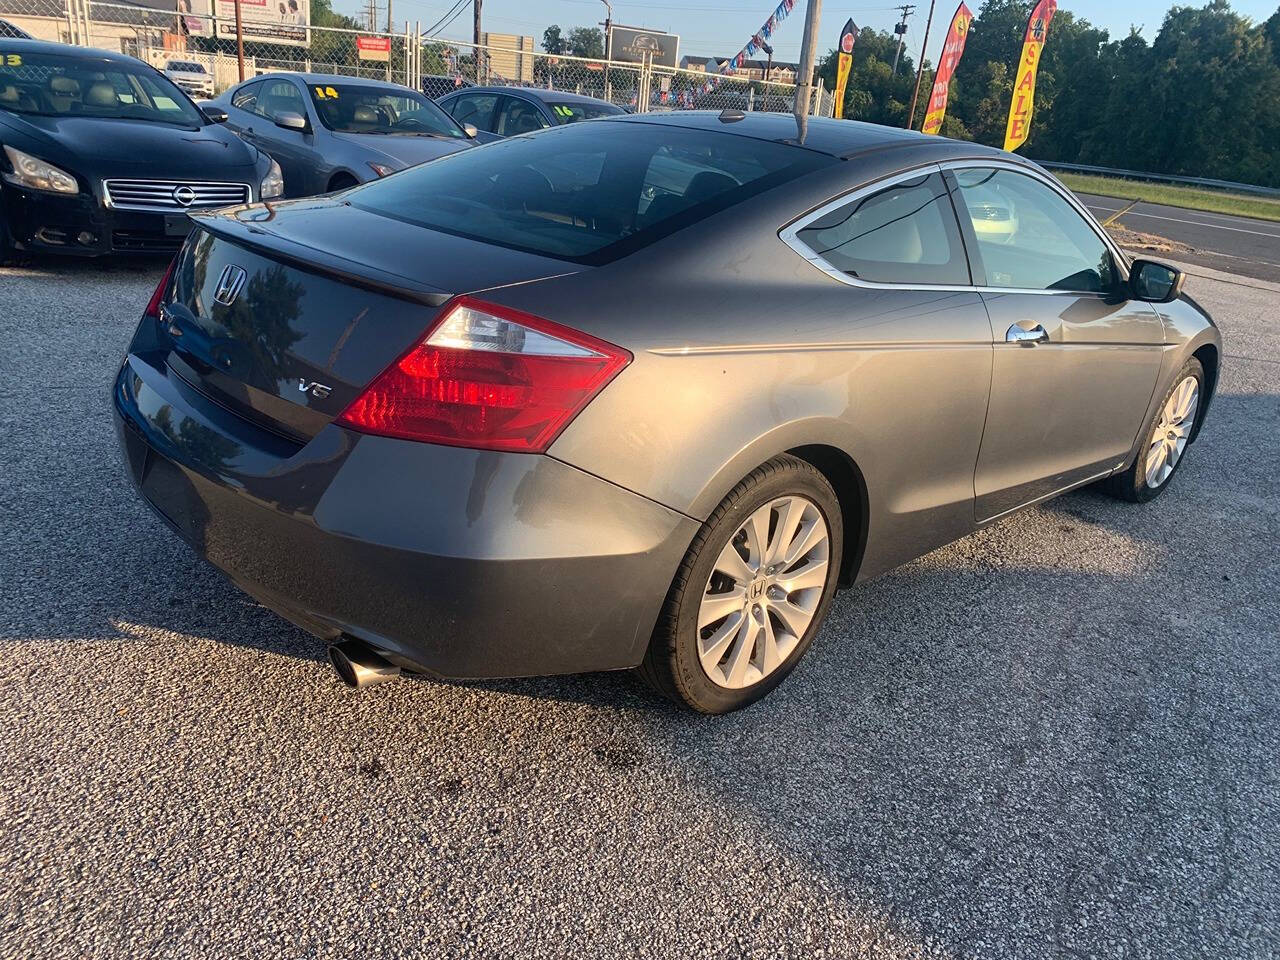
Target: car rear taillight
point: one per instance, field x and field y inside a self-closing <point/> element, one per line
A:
<point x="490" y="377"/>
<point x="153" y="305"/>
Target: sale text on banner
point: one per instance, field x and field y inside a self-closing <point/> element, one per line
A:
<point x="1024" y="87"/>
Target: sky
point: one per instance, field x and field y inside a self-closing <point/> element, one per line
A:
<point x="722" y="27"/>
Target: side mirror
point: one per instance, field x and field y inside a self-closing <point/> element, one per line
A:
<point x="471" y="130"/>
<point x="289" y="120"/>
<point x="213" y="113"/>
<point x="1155" y="282"/>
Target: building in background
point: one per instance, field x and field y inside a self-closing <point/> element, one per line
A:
<point x="510" y="57"/>
<point x="781" y="71"/>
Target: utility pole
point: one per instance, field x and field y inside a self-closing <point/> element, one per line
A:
<point x="608" y="47"/>
<point x="804" y="78"/>
<point x="900" y="28"/>
<point x="911" y="114"/>
<point x="239" y="41"/>
<point x="477" y="36"/>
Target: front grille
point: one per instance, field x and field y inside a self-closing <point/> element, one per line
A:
<point x="164" y="196"/>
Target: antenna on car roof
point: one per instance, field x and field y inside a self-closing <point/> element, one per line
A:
<point x="731" y="116"/>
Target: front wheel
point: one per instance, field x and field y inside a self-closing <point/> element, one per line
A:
<point x="1167" y="436"/>
<point x="752" y="590"/>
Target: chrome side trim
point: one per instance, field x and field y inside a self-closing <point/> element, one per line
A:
<point x="790" y="233"/>
<point x="1049" y="496"/>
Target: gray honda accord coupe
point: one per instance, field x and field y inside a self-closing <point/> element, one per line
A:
<point x="643" y="393"/>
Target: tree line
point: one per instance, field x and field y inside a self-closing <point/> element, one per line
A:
<point x="1202" y="99"/>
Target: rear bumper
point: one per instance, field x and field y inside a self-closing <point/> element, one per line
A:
<point x="54" y="224"/>
<point x="459" y="562"/>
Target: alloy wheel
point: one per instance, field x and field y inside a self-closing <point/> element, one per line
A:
<point x="1169" y="438"/>
<point x="763" y="592"/>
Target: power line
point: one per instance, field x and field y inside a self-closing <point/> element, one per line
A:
<point x="447" y="18"/>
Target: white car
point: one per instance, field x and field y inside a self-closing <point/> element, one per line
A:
<point x="191" y="77"/>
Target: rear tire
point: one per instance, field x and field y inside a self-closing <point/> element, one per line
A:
<point x="1165" y="438"/>
<point x="752" y="590"/>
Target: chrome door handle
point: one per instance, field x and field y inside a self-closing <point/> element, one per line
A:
<point x="1025" y="337"/>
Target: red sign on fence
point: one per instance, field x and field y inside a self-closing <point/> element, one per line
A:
<point x="374" y="48"/>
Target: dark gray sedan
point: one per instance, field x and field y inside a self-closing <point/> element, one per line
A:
<point x="642" y="393"/>
<point x="330" y="132"/>
<point x="510" y="111"/>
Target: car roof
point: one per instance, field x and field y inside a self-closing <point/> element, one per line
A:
<point x="839" y="138"/>
<point x="537" y="93"/>
<point x="327" y="78"/>
<point x="15" y="45"/>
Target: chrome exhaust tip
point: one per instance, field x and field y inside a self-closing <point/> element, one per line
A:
<point x="358" y="665"/>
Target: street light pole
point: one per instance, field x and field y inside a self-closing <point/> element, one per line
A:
<point x="804" y="81"/>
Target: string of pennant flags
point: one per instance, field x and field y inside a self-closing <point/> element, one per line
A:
<point x="736" y="62"/>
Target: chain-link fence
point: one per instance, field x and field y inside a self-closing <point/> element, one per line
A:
<point x="167" y="33"/>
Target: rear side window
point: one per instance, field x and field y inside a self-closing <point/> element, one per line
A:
<point x="246" y="96"/>
<point x="905" y="233"/>
<point x="588" y="192"/>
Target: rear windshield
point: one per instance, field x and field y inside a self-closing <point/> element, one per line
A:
<point x="573" y="112"/>
<point x="586" y="192"/>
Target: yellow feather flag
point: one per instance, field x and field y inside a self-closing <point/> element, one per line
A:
<point x="844" y="63"/>
<point x="1024" y="88"/>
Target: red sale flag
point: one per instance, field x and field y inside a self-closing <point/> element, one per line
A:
<point x="952" y="50"/>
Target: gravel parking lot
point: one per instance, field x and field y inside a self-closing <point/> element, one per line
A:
<point x="1057" y="737"/>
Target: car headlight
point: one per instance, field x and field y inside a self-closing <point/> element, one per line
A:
<point x="381" y="169"/>
<point x="32" y="172"/>
<point x="272" y="183"/>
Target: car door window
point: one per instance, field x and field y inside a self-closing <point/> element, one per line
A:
<point x="247" y="95"/>
<point x="279" y="96"/>
<point x="905" y="233"/>
<point x="1029" y="237"/>
<point x="475" y="108"/>
<point x="517" y="116"/>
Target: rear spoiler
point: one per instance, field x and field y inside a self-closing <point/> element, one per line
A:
<point x="254" y="235"/>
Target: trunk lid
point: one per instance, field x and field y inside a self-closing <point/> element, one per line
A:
<point x="266" y="320"/>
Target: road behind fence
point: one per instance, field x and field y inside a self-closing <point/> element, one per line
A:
<point x="231" y="52"/>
